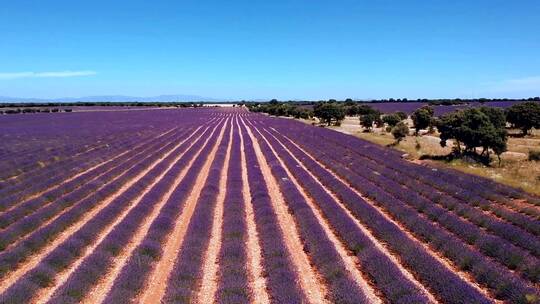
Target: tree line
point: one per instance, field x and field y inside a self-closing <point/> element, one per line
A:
<point x="474" y="131"/>
<point x="33" y="110"/>
<point x="101" y="104"/>
<point x="24" y="108"/>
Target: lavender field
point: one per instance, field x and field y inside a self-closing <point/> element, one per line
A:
<point x="220" y="205"/>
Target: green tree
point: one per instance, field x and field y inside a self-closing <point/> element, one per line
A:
<point x="364" y="109"/>
<point x="349" y="102"/>
<point x="474" y="128"/>
<point x="400" y="131"/>
<point x="524" y="116"/>
<point x="422" y="118"/>
<point x="329" y="113"/>
<point x="303" y="113"/>
<point x="402" y="115"/>
<point x="497" y="116"/>
<point x="351" y="110"/>
<point x="367" y="120"/>
<point x="391" y="119"/>
<point x="448" y="126"/>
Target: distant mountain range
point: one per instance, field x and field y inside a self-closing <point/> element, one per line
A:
<point x="115" y="98"/>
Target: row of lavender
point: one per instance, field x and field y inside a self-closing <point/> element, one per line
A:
<point x="351" y="185"/>
<point x="102" y="139"/>
<point x="233" y="274"/>
<point x="61" y="257"/>
<point x="187" y="274"/>
<point x="36" y="241"/>
<point x="136" y="272"/>
<point x="323" y="254"/>
<point x="378" y="267"/>
<point x="38" y="181"/>
<point x="26" y="217"/>
<point x="390" y="196"/>
<point x="96" y="265"/>
<point x="30" y="142"/>
<point x="49" y="185"/>
<point x="466" y="208"/>
<point x="456" y="192"/>
<point x="383" y="273"/>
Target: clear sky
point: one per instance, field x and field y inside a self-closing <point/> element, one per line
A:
<point x="304" y="49"/>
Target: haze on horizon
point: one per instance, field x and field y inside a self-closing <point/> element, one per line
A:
<point x="270" y="49"/>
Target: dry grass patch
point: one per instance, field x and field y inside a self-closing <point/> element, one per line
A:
<point x="515" y="169"/>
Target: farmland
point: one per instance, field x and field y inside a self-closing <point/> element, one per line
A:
<point x="227" y="206"/>
<point x="409" y="107"/>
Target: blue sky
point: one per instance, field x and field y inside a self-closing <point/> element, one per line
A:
<point x="270" y="49"/>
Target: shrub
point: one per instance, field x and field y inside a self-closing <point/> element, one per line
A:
<point x="524" y="116"/>
<point x="400" y="131"/>
<point x="422" y="118"/>
<point x="364" y="109"/>
<point x="402" y="115"/>
<point x="391" y="119"/>
<point x="367" y="120"/>
<point x="329" y="113"/>
<point x="474" y="128"/>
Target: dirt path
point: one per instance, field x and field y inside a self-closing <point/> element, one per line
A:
<point x="443" y="260"/>
<point x="254" y="256"/>
<point x="46" y="294"/>
<point x="313" y="287"/>
<point x="381" y="247"/>
<point x="350" y="261"/>
<point x="157" y="282"/>
<point x="210" y="266"/>
<point x="36" y="258"/>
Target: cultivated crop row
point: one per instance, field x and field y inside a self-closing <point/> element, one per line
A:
<point x="380" y="191"/>
<point x="460" y="218"/>
<point x="226" y="206"/>
<point x="96" y="265"/>
<point x="121" y="194"/>
<point x="69" y="205"/>
<point x="82" y="185"/>
<point x="146" y="256"/>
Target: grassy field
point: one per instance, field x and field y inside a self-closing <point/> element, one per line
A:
<point x="515" y="169"/>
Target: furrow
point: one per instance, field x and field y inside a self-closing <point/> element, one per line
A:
<point x="396" y="227"/>
<point x="133" y="277"/>
<point x="16" y="232"/>
<point x="15" y="275"/>
<point x="156" y="287"/>
<point x="210" y="267"/>
<point x="311" y="283"/>
<point x="346" y="230"/>
<point x="110" y="251"/>
<point x="257" y="281"/>
<point x="84" y="172"/>
<point x="278" y="269"/>
<point x="344" y="291"/>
